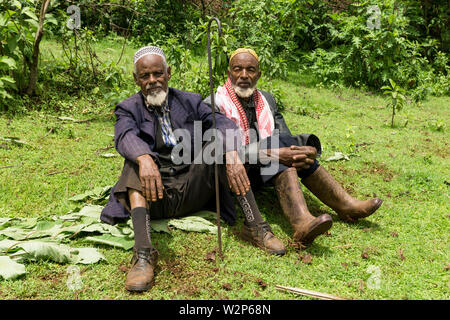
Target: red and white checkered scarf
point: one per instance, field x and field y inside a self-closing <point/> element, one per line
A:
<point x="229" y="104"/>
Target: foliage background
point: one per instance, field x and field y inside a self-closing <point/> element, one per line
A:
<point x="329" y="39"/>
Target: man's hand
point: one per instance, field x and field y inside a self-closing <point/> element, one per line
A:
<point x="303" y="157"/>
<point x="152" y="187"/>
<point x="236" y="173"/>
<point x="294" y="156"/>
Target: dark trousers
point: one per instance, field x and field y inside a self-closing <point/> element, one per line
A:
<point x="184" y="193"/>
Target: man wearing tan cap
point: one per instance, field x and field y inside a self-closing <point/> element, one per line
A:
<point x="265" y="135"/>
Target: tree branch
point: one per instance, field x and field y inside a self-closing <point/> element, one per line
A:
<point x="35" y="57"/>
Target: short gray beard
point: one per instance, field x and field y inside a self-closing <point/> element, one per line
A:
<point x="158" y="99"/>
<point x="244" y="93"/>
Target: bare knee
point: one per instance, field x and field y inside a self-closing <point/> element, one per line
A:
<point x="136" y="199"/>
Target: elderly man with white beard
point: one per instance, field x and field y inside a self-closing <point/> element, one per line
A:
<point x="255" y="111"/>
<point x="153" y="183"/>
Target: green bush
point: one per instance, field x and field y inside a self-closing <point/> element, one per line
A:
<point x="329" y="39"/>
<point x="18" y="27"/>
<point x="162" y="20"/>
<point x="361" y="56"/>
<point x="18" y="24"/>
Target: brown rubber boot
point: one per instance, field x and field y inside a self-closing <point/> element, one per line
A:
<point x="262" y="237"/>
<point x="330" y="192"/>
<point x="141" y="275"/>
<point x="306" y="226"/>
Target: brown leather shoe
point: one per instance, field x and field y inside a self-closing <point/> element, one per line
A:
<point x="262" y="237"/>
<point x="141" y="275"/>
<point x="306" y="234"/>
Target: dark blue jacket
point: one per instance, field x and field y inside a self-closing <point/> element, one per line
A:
<point x="135" y="135"/>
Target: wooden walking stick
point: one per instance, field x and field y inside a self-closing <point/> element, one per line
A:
<point x="213" y="108"/>
<point x="309" y="293"/>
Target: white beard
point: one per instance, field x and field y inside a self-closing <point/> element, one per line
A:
<point x="158" y="99"/>
<point x="243" y="93"/>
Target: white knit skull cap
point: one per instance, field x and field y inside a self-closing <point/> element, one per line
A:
<point x="148" y="50"/>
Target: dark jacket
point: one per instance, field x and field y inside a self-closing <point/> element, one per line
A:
<point x="283" y="130"/>
<point x="135" y="128"/>
<point x="135" y="133"/>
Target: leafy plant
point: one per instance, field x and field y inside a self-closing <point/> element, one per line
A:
<point x="264" y="27"/>
<point x="350" y="136"/>
<point x="6" y="63"/>
<point x="20" y="33"/>
<point x="18" y="23"/>
<point x="397" y="95"/>
<point x="436" y="125"/>
<point x="367" y="57"/>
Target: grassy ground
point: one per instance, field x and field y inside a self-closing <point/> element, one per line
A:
<point x="404" y="245"/>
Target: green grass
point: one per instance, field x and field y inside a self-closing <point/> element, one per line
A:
<point x="407" y="238"/>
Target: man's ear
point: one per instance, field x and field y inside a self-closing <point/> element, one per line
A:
<point x="228" y="73"/>
<point x="135" y="78"/>
<point x="169" y="73"/>
<point x="258" y="75"/>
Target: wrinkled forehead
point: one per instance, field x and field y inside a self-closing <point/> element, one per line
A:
<point x="150" y="62"/>
<point x="244" y="59"/>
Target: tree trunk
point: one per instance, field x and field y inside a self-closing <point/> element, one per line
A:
<point x="203" y="9"/>
<point x="33" y="65"/>
<point x="393" y="114"/>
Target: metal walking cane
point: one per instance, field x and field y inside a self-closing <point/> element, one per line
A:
<point x="213" y="107"/>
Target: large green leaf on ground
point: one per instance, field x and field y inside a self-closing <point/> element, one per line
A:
<point x="193" y="223"/>
<point x="198" y="222"/>
<point x="6" y="244"/>
<point x="5" y="222"/>
<point x="45" y="225"/>
<point x="92" y="211"/>
<point x="67" y="232"/>
<point x="15" y="233"/>
<point x="124" y="243"/>
<point x="112" y="230"/>
<point x="337" y="156"/>
<point x="86" y="255"/>
<point x="206" y="214"/>
<point x="98" y="193"/>
<point x="160" y="225"/>
<point x="9" y="269"/>
<point x="82" y="222"/>
<point x="126" y="229"/>
<point x="27" y="223"/>
<point x="39" y="250"/>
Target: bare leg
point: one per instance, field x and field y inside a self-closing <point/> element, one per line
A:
<point x="137" y="199"/>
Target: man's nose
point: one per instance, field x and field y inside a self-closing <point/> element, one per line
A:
<point x="244" y="74"/>
<point x="152" y="79"/>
